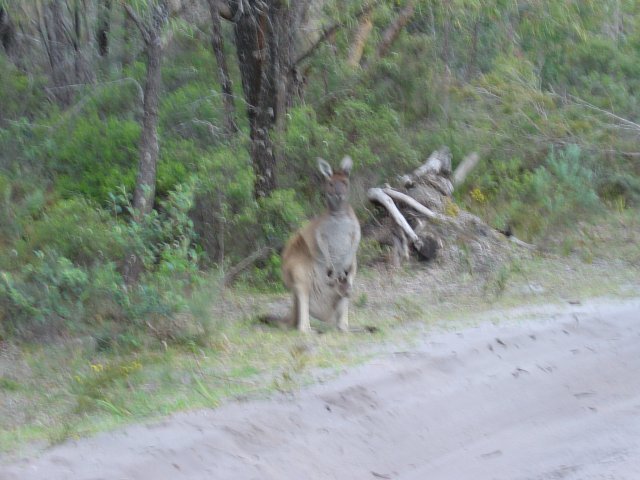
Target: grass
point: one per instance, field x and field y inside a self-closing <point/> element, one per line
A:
<point x="50" y="393"/>
<point x="71" y="390"/>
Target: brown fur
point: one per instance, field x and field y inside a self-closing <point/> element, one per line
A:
<point x="319" y="261"/>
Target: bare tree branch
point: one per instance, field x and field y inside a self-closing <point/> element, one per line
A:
<point x="417" y="206"/>
<point x="326" y="33"/>
<point x="379" y="196"/>
<point x="146" y="36"/>
<point x="360" y="39"/>
<point x="245" y="263"/>
<point x="393" y="30"/>
<point x="622" y="120"/>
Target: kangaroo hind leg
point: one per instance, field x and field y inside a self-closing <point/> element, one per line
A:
<point x="301" y="309"/>
<point x="341" y="314"/>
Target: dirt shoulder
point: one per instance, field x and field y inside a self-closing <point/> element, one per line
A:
<point x="524" y="394"/>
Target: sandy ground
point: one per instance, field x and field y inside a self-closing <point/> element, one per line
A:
<point x="547" y="394"/>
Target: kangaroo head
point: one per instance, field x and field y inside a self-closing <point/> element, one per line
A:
<point x="336" y="185"/>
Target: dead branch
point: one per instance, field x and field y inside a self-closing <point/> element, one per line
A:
<point x="245" y="263"/>
<point x="327" y="33"/>
<point x="424" y="202"/>
<point x="520" y="243"/>
<point x="144" y="31"/>
<point x="417" y="206"/>
<point x="438" y="163"/>
<point x="392" y="31"/>
<point x="624" y="121"/>
<point x="223" y="9"/>
<point x="360" y="39"/>
<point x="425" y="249"/>
<point x="378" y="195"/>
<point x="464" y="169"/>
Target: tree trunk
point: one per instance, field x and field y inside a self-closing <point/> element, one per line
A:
<point x="52" y="32"/>
<point x="76" y="42"/>
<point x="264" y="34"/>
<point x="255" y="48"/>
<point x="7" y="32"/>
<point x="144" y="194"/>
<point x="217" y="43"/>
<point x="128" y="51"/>
<point x="103" y="27"/>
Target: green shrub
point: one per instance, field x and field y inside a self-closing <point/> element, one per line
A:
<point x="66" y="276"/>
<point x="25" y="146"/>
<point x="561" y="190"/>
<point x="21" y="95"/>
<point x="178" y="158"/>
<point x="94" y="157"/>
<point x="21" y="203"/>
<point x="620" y="188"/>
<point x="77" y="230"/>
<point x="46" y="292"/>
<point x="118" y="99"/>
<point x="279" y="215"/>
<point x="193" y="112"/>
<point x="224" y="212"/>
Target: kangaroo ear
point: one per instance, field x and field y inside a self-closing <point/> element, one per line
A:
<point x="325" y="168"/>
<point x="346" y="165"/>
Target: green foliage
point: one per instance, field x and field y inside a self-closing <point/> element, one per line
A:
<point x="120" y="98"/>
<point x="21" y="95"/>
<point x="265" y="276"/>
<point x="20" y="202"/>
<point x="24" y="146"/>
<point x="163" y="239"/>
<point x="94" y="157"/>
<point x="619" y="188"/>
<point x="224" y="208"/>
<point x="534" y="202"/>
<point x="193" y="111"/>
<point x="64" y="272"/>
<point x="46" y="291"/>
<point x="177" y="159"/>
<point x="77" y="230"/>
<point x="279" y="214"/>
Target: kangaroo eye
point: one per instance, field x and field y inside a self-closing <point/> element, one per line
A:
<point x="329" y="272"/>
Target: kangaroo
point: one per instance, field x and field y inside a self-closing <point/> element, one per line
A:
<point x="319" y="261"/>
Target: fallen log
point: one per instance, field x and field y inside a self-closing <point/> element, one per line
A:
<point x="437" y="168"/>
<point x="378" y="195"/>
<point x="417" y="206"/>
<point x="417" y="215"/>
<point x="426" y="249"/>
<point x="231" y="275"/>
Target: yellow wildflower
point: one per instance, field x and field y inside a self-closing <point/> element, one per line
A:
<point x="478" y="196"/>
